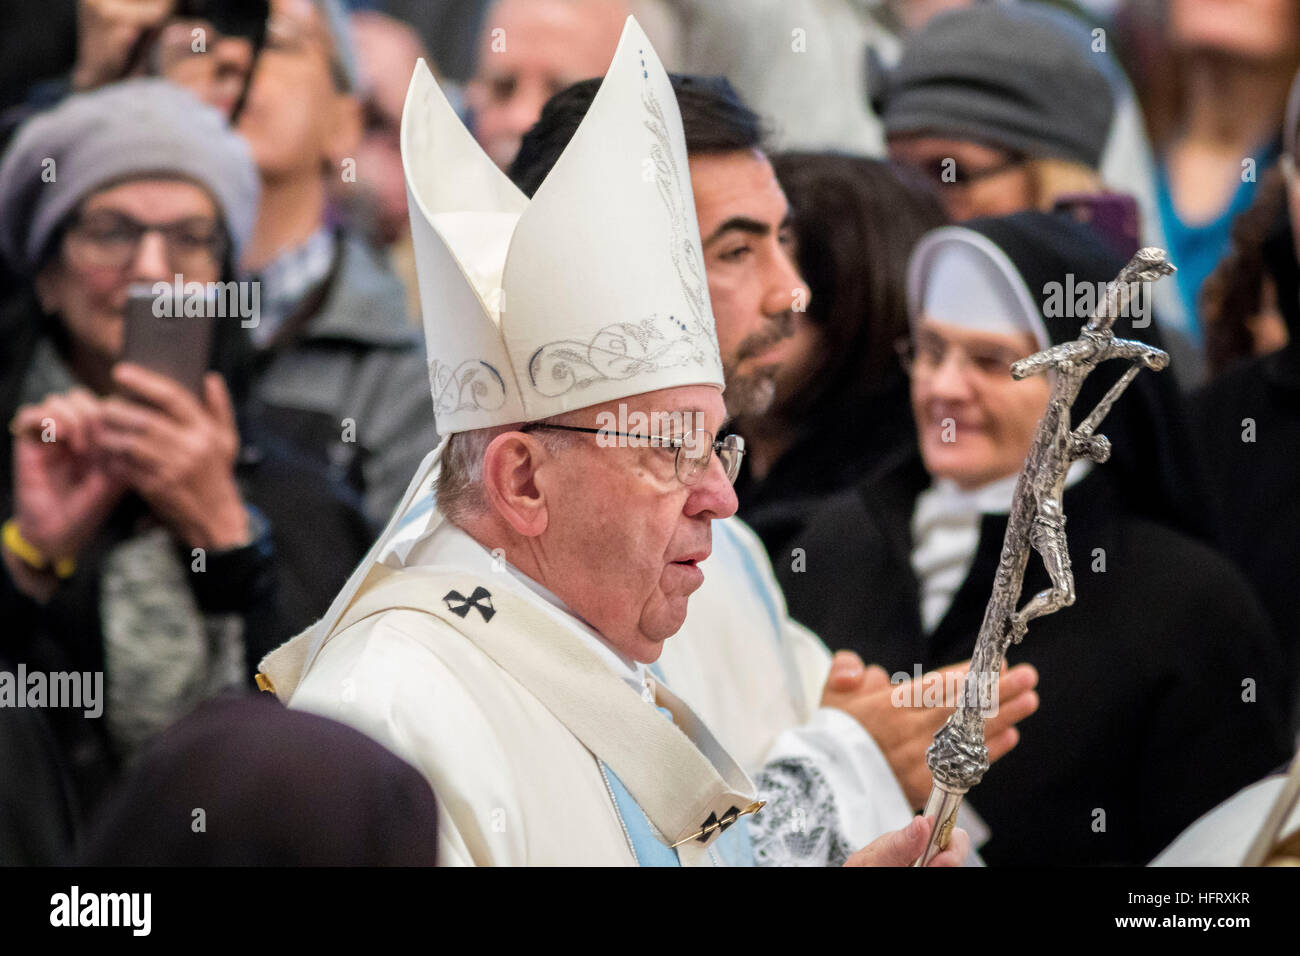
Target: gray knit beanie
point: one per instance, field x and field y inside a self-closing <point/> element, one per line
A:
<point x="1006" y="76"/>
<point x="135" y="129"/>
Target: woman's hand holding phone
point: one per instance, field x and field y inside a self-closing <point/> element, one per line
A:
<point x="178" y="452"/>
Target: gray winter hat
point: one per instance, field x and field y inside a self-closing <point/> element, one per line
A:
<point x="1006" y="76"/>
<point x="130" y="130"/>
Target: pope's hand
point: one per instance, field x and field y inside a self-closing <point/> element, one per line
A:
<point x="903" y="847"/>
<point x="903" y="718"/>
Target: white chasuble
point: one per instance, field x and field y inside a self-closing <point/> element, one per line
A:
<point x="756" y="676"/>
<point x="531" y="741"/>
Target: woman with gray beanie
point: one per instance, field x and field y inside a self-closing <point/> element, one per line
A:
<point x="131" y="553"/>
<point x="1003" y="108"/>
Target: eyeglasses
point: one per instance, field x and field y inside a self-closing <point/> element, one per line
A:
<point x="111" y="240"/>
<point x="948" y="172"/>
<point x="692" y="455"/>
<point x="925" y="356"/>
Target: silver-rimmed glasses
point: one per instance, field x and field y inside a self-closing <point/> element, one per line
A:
<point x="692" y="453"/>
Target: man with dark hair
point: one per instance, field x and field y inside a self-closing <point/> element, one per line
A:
<point x="738" y="645"/>
<point x="340" y="372"/>
<point x="744" y="222"/>
<point x="714" y="118"/>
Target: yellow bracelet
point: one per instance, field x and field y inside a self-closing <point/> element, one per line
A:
<point x="29" y="555"/>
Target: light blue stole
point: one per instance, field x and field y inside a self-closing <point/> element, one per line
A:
<point x="732" y="847"/>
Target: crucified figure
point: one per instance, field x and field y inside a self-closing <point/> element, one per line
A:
<point x="958" y="757"/>
<point x="1056" y="447"/>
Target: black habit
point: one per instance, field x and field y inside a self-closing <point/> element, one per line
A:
<point x="1248" y="423"/>
<point x="1162" y="689"/>
<point x="1141" y="682"/>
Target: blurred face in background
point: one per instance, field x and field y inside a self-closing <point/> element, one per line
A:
<point x="971" y="179"/>
<point x="974" y="422"/>
<point x="297" y="118"/>
<point x="1247" y="29"/>
<point x="747" y="241"/>
<point x="387" y="50"/>
<point x="529" y="50"/>
<point x="193" y="54"/>
<point x="914" y="14"/>
<point x="103" y="252"/>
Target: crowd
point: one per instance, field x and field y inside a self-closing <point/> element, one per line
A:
<point x="853" y="220"/>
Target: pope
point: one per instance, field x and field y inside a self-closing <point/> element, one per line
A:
<point x="501" y="643"/>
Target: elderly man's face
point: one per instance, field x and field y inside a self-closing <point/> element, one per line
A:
<point x="624" y="538"/>
<point x="753" y="282"/>
<point x="529" y="50"/>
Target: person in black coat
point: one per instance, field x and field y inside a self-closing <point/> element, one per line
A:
<point x="1248" y="423"/>
<point x="1161" y="687"/>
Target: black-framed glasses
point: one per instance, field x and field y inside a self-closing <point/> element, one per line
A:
<point x="692" y="456"/>
<point x="110" y="240"/>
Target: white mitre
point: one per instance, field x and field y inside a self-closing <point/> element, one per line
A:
<point x="594" y="290"/>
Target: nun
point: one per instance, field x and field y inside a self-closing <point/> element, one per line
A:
<point x="1161" y="688"/>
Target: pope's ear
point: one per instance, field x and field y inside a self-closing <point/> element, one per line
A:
<point x="509" y="482"/>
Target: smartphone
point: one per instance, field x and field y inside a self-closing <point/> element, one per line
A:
<point x="1114" y="216"/>
<point x="160" y="336"/>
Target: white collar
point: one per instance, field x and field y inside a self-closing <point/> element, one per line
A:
<point x="945" y="535"/>
<point x="450" y="546"/>
<point x="946" y="497"/>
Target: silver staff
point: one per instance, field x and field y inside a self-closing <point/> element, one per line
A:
<point x="958" y="757"/>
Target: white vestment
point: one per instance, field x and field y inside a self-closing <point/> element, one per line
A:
<point x="1224" y="835"/>
<point x="755" y="676"/>
<point x="504" y="730"/>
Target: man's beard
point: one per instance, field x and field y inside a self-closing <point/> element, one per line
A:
<point x="752" y="394"/>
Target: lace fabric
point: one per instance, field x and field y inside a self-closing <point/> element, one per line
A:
<point x="800" y="826"/>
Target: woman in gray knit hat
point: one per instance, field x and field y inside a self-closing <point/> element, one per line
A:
<point x="131" y="553"/>
<point x="1003" y="108"/>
